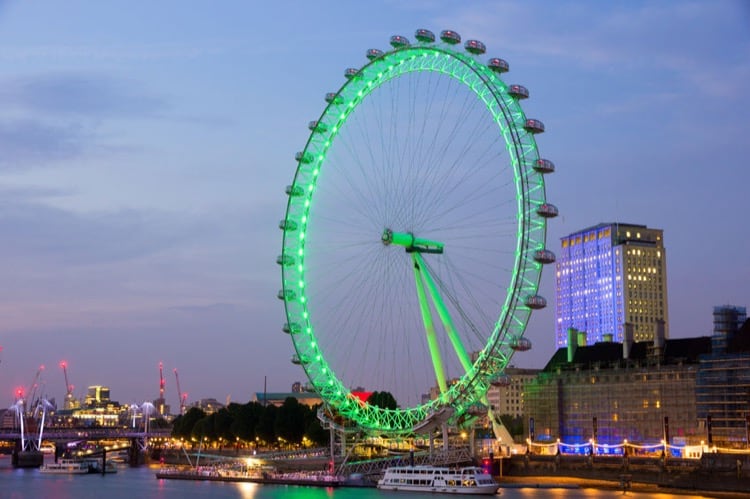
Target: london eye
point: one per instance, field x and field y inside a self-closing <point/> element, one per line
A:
<point x="414" y="233"/>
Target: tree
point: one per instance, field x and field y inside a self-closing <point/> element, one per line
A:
<point x="313" y="430"/>
<point x="223" y="424"/>
<point x="183" y="425"/>
<point x="265" y="429"/>
<point x="290" y="420"/>
<point x="384" y="400"/>
<point x="205" y="428"/>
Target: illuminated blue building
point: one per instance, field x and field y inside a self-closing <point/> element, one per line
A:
<point x="609" y="275"/>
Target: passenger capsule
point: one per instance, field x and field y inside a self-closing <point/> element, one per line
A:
<point x="534" y="126"/>
<point x="498" y="65"/>
<point x="294" y="190"/>
<point x="450" y="37"/>
<point x="547" y="210"/>
<point x="544" y="166"/>
<point x="334" y="98"/>
<point x="296" y="359"/>
<point x="285" y="260"/>
<point x="521" y="344"/>
<point x="351" y="73"/>
<point x="374" y="53"/>
<point x="398" y="41"/>
<point x="475" y="47"/>
<point x="317" y="126"/>
<point x="286" y="294"/>
<point x="304" y="158"/>
<point x="288" y="225"/>
<point x="500" y="380"/>
<point x="518" y="92"/>
<point x="536" y="302"/>
<point x="291" y="328"/>
<point x="544" y="256"/>
<point x="425" y="36"/>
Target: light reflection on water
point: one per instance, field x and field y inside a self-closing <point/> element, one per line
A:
<point x="140" y="483"/>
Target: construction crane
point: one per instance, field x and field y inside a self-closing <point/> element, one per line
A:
<point x="30" y="401"/>
<point x="70" y="402"/>
<point x="183" y="396"/>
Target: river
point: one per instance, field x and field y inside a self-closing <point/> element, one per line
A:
<point x="141" y="483"/>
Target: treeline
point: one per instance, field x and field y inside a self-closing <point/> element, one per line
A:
<point x="261" y="425"/>
<point x="253" y="423"/>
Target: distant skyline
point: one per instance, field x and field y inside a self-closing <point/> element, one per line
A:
<point x="145" y="147"/>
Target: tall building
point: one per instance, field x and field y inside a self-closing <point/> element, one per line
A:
<point x="97" y="395"/>
<point x="609" y="275"/>
<point x="723" y="382"/>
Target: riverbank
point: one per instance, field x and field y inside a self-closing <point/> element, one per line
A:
<point x="717" y="475"/>
<point x="566" y="482"/>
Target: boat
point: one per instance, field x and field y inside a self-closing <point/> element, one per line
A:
<point x="66" y="467"/>
<point x="466" y="480"/>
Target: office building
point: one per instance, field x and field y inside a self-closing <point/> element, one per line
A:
<point x="609" y="275"/>
<point x="610" y="392"/>
<point x="506" y="396"/>
<point x="723" y="383"/>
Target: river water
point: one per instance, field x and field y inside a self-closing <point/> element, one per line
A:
<point x="141" y="483"/>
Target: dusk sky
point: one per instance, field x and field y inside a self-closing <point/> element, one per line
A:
<point x="145" y="148"/>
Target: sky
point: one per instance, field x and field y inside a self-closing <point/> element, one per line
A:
<point x="145" y="147"/>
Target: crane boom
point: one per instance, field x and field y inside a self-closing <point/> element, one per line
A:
<point x="183" y="396"/>
<point x="32" y="389"/>
<point x="69" y="402"/>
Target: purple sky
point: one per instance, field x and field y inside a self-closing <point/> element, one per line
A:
<point x="145" y="146"/>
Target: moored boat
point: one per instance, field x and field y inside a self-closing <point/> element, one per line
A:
<point x="466" y="480"/>
<point x="66" y="467"/>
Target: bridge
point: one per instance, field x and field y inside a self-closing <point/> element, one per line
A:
<point x="27" y="451"/>
<point x="71" y="434"/>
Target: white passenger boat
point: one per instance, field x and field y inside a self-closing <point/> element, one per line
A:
<point x="467" y="480"/>
<point x="66" y="467"/>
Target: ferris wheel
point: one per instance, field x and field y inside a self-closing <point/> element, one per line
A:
<point x="414" y="234"/>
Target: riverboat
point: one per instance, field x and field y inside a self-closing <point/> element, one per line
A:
<point x="66" y="467"/>
<point x="467" y="480"/>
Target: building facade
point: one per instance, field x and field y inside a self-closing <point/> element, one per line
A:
<point x="642" y="392"/>
<point x="609" y="275"/>
<point x="506" y="397"/>
<point x="723" y="383"/>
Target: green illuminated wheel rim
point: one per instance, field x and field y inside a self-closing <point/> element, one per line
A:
<point x="414" y="234"/>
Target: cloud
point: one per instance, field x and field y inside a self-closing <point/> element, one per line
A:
<point x="49" y="118"/>
<point x="43" y="233"/>
<point x="671" y="36"/>
<point x="83" y="95"/>
<point x="113" y="53"/>
<point x="31" y="143"/>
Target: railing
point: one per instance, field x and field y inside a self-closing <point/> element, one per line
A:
<point x="454" y="456"/>
<point x="90" y="433"/>
<point x="597" y="449"/>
